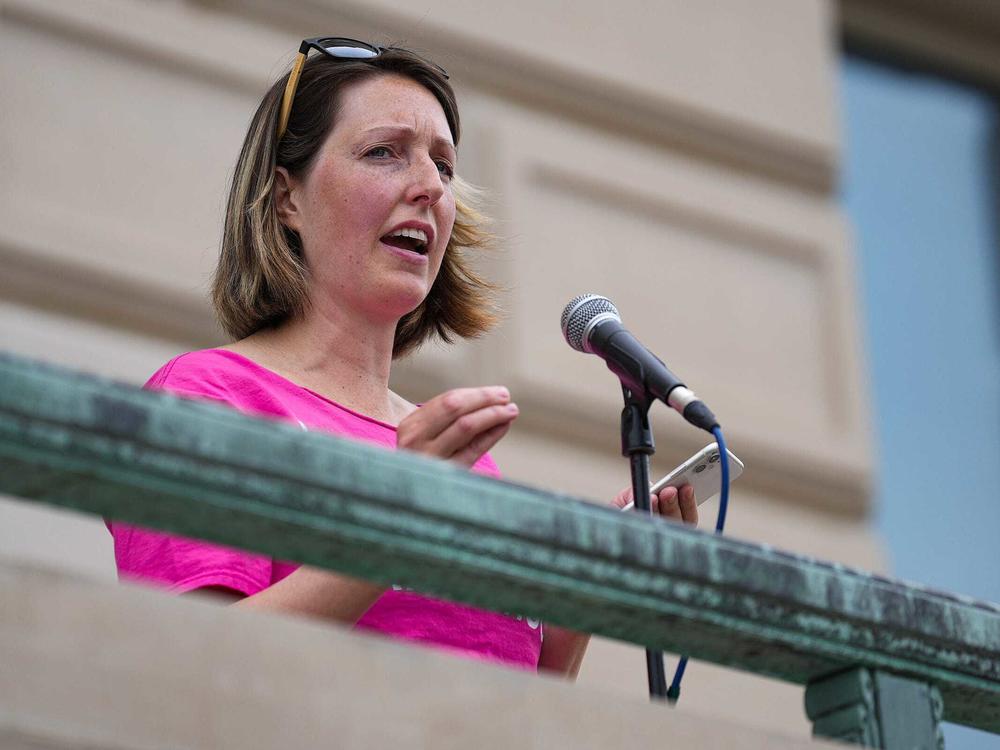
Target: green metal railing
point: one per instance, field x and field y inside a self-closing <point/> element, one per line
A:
<point x="883" y="661"/>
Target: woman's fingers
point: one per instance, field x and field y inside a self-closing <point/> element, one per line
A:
<point x="623" y="498"/>
<point x="666" y="504"/>
<point x="441" y="412"/>
<point x="482" y="443"/>
<point x="460" y="425"/>
<point x="679" y="505"/>
<point x="469" y="430"/>
<point x="688" y="505"/>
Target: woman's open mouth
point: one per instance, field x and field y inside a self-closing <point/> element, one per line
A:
<point x="407" y="238"/>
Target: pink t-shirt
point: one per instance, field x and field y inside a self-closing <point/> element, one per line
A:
<point x="181" y="564"/>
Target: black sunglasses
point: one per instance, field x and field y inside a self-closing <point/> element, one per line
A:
<point x="339" y="48"/>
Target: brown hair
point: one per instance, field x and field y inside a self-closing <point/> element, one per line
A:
<point x="260" y="279"/>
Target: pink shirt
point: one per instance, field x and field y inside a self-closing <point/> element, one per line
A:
<point x="180" y="564"/>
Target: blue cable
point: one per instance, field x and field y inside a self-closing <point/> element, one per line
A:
<point x="720" y="519"/>
<point x="674" y="692"/>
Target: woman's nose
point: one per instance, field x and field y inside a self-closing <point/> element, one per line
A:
<point x="426" y="185"/>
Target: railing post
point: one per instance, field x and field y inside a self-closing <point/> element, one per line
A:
<point x="876" y="709"/>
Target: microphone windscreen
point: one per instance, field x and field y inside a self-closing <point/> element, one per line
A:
<point x="578" y="315"/>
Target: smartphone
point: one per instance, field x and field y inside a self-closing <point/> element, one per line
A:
<point x="703" y="471"/>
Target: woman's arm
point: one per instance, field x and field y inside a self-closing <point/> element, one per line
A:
<point x="562" y="651"/>
<point x="460" y="426"/>
<point x="308" y="591"/>
<point x="317" y="593"/>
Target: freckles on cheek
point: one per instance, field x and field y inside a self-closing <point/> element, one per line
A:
<point x="370" y="214"/>
<point x="367" y="193"/>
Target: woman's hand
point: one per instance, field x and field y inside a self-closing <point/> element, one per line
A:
<point x="679" y="506"/>
<point x="459" y="425"/>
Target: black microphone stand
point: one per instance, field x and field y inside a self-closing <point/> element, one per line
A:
<point x="637" y="444"/>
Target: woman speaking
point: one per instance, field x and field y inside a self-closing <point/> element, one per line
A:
<point x="345" y="247"/>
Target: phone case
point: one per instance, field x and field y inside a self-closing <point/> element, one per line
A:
<point x="703" y="471"/>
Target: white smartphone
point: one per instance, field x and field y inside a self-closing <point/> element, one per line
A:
<point x="703" y="471"/>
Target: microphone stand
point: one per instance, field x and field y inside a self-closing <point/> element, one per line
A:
<point x="637" y="444"/>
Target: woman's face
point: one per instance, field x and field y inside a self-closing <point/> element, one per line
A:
<point x="376" y="209"/>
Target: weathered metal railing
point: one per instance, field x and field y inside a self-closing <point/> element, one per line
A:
<point x="883" y="661"/>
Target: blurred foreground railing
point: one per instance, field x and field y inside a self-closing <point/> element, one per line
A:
<point x="884" y="661"/>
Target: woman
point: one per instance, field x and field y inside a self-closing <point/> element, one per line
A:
<point x="343" y="249"/>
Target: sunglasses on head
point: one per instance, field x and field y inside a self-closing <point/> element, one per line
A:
<point x="339" y="48"/>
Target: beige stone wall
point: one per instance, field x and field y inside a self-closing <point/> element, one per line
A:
<point x="677" y="157"/>
<point x="175" y="674"/>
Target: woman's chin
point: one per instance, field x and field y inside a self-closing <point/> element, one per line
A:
<point x="403" y="299"/>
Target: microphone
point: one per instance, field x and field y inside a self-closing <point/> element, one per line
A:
<point x="591" y="324"/>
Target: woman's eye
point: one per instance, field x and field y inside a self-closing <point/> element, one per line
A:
<point x="446" y="169"/>
<point x="379" y="152"/>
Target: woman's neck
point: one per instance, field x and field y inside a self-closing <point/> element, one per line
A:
<point x="342" y="357"/>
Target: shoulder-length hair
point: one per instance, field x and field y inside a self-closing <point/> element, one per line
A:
<point x="260" y="279"/>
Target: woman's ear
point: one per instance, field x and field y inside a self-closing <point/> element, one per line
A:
<point x="285" y="198"/>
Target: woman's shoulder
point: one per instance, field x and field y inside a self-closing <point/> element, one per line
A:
<point x="207" y="373"/>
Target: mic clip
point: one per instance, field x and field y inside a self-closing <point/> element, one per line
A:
<point x="637" y="435"/>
